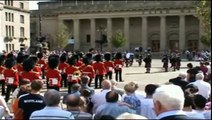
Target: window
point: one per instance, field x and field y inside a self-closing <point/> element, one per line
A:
<point x="21" y="18"/>
<point x="88" y="38"/>
<point x="13" y="31"/>
<point x="11" y="2"/>
<point x="9" y="16"/>
<point x="21" y="5"/>
<point x="22" y="32"/>
<point x="13" y="47"/>
<point x="6" y="16"/>
<point x="7" y="48"/>
<point x="9" y="30"/>
<point x="12" y="17"/>
<point x="7" y="34"/>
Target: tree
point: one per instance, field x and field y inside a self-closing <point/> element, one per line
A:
<point x="62" y="36"/>
<point x="203" y="12"/>
<point x="118" y="40"/>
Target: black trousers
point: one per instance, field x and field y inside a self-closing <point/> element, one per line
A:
<point x="98" y="81"/>
<point x="109" y="75"/>
<point x="64" y="80"/>
<point x="89" y="84"/>
<point x="9" y="89"/>
<point x="2" y="83"/>
<point x="69" y="86"/>
<point x="118" y="75"/>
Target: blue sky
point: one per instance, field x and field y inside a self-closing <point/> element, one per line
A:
<point x="33" y="5"/>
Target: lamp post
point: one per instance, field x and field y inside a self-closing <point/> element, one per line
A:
<point x="101" y="29"/>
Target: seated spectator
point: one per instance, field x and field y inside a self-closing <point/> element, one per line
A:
<point x="147" y="105"/>
<point x="199" y="103"/>
<point x="207" y="114"/>
<point x="73" y="105"/>
<point x="52" y="109"/>
<point x="168" y="102"/>
<point x="107" y="117"/>
<point x="95" y="99"/>
<point x="203" y="87"/>
<point x="33" y="101"/>
<point x="86" y="94"/>
<point x="127" y="116"/>
<point x="4" y="110"/>
<point x="180" y="80"/>
<point x="75" y="89"/>
<point x="84" y="84"/>
<point x="191" y="89"/>
<point x="115" y="88"/>
<point x="112" y="107"/>
<point x="130" y="98"/>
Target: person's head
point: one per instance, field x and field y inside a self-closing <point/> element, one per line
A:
<point x="10" y="62"/>
<point x="128" y="116"/>
<point x="199" y="101"/>
<point x="191" y="88"/>
<point x="113" y="83"/>
<point x="72" y="101"/>
<point x="20" y="59"/>
<point x="207" y="63"/>
<point x="76" y="87"/>
<point x="190" y="65"/>
<point x="36" y="85"/>
<point x="86" y="93"/>
<point x="107" y="117"/>
<point x="25" y="85"/>
<point x="112" y="97"/>
<point x="199" y="76"/>
<point x="106" y="84"/>
<point x="182" y="75"/>
<point x="189" y="100"/>
<point x="40" y="55"/>
<point x="98" y="58"/>
<point x="72" y="60"/>
<point x="168" y="98"/>
<point x="85" y="79"/>
<point x="63" y="58"/>
<point x="107" y="56"/>
<point x="130" y="88"/>
<point x="53" y="62"/>
<point x="52" y="98"/>
<point x="86" y="61"/>
<point x="28" y="65"/>
<point x="118" y="55"/>
<point x="150" y="89"/>
<point x="34" y="59"/>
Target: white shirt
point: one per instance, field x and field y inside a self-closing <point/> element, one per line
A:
<point x="98" y="99"/>
<point x="147" y="108"/>
<point x="207" y="114"/>
<point x="204" y="88"/>
<point x="171" y="113"/>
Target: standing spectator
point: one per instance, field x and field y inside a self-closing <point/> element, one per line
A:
<point x="168" y="102"/>
<point x="11" y="77"/>
<point x="33" y="101"/>
<point x="112" y="107"/>
<point x="180" y="80"/>
<point x="147" y="105"/>
<point x="118" y="64"/>
<point x="100" y="71"/>
<point x="52" y="109"/>
<point x="204" y="87"/>
<point x="73" y="106"/>
<point x="95" y="99"/>
<point x="53" y="75"/>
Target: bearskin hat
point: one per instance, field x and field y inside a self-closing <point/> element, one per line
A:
<point x="63" y="57"/>
<point x="20" y="58"/>
<point x="53" y="62"/>
<point x="107" y="56"/>
<point x="10" y="62"/>
<point x="28" y="65"/>
<point x="89" y="56"/>
<point x="86" y="60"/>
<point x="40" y="55"/>
<point x="72" y="60"/>
<point x="118" y="55"/>
<point x="98" y="58"/>
<point x="34" y="58"/>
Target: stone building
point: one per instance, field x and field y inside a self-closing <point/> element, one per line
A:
<point x="14" y="25"/>
<point x="161" y="25"/>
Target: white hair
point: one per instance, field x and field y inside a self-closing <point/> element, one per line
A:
<point x="127" y="116"/>
<point x="182" y="75"/>
<point x="200" y="76"/>
<point x="170" y="96"/>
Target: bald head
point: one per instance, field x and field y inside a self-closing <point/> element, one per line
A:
<point x="52" y="98"/>
<point x="73" y="100"/>
<point x="106" y="84"/>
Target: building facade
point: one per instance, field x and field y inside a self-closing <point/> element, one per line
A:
<point x="160" y="25"/>
<point x="14" y="24"/>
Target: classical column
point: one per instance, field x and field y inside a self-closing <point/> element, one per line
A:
<point x="163" y="33"/>
<point x="144" y="32"/>
<point x="76" y="35"/>
<point x="201" y="32"/>
<point x="126" y="32"/>
<point x="182" y="39"/>
<point x="93" y="33"/>
<point x="109" y="32"/>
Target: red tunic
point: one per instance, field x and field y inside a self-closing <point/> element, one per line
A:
<point x="29" y="75"/>
<point x="38" y="70"/>
<point x="88" y="70"/>
<point x="99" y="68"/>
<point x="42" y="64"/>
<point x="79" y="63"/>
<point x="70" y="71"/>
<point x="53" y="77"/>
<point x="109" y="66"/>
<point x="63" y="66"/>
<point x="11" y="77"/>
<point x="118" y="64"/>
<point x="20" y="68"/>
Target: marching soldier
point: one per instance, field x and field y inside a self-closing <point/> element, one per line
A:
<point x="53" y="75"/>
<point x="178" y="62"/>
<point x="62" y="66"/>
<point x="42" y="63"/>
<point x="165" y="61"/>
<point x="148" y="61"/>
<point x="118" y="64"/>
<point x="108" y="65"/>
<point x="99" y="69"/>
